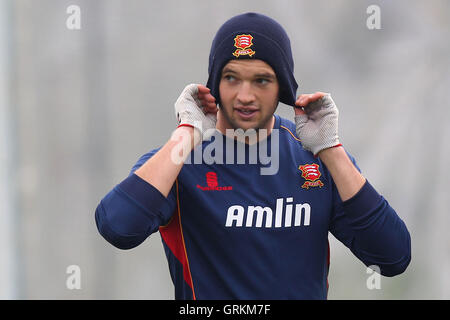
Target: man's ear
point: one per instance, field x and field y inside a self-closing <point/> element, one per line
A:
<point x="276" y="106"/>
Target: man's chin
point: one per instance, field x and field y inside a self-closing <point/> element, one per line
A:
<point x="249" y="125"/>
<point x="246" y="126"/>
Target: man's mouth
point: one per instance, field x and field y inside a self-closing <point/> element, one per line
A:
<point x="246" y="112"/>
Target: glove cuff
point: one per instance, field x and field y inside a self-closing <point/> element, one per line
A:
<point x="185" y="125"/>
<point x="323" y="147"/>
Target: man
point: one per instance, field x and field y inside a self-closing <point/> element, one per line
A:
<point x="231" y="230"/>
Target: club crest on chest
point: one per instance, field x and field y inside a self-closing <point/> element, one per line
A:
<point x="311" y="173"/>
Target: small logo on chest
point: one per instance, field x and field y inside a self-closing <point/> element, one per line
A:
<point x="311" y="173"/>
<point x="213" y="184"/>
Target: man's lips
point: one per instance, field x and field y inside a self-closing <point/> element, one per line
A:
<point x="246" y="112"/>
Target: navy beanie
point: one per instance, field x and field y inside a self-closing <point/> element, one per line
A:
<point x="253" y="36"/>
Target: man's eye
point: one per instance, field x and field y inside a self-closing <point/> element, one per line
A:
<point x="229" y="77"/>
<point x="262" y="81"/>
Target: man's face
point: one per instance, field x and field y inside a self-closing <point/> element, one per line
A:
<point x="248" y="94"/>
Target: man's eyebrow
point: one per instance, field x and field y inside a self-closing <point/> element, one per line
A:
<point x="265" y="75"/>
<point x="226" y="69"/>
<point x="258" y="75"/>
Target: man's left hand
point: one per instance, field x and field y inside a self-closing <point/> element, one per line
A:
<point x="316" y="121"/>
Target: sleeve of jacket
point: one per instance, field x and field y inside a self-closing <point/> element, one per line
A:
<point x="133" y="210"/>
<point x="372" y="230"/>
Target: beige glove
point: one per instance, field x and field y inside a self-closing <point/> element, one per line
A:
<point x="317" y="127"/>
<point x="189" y="111"/>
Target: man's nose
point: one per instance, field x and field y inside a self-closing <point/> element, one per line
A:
<point x="245" y="94"/>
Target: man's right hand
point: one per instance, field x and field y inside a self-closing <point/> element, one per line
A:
<point x="196" y="107"/>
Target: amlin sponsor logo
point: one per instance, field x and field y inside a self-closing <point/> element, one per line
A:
<point x="286" y="214"/>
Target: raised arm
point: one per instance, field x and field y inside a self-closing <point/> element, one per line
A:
<point x="142" y="202"/>
<point x="362" y="219"/>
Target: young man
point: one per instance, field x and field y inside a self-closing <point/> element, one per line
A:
<point x="236" y="226"/>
